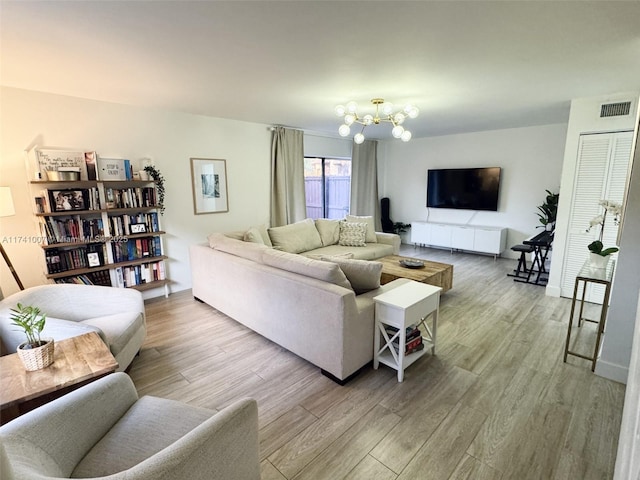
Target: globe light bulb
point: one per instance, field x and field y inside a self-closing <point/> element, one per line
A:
<point x="349" y="119"/>
<point x="368" y="119"/>
<point x="399" y="118"/>
<point x="358" y="138"/>
<point x="387" y="108"/>
<point x="352" y="107"/>
<point x="406" y="136"/>
<point x="340" y="110"/>
<point x="413" y="113"/>
<point x="397" y="131"/>
<point x="344" y="130"/>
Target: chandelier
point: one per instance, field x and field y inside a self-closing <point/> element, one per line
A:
<point x="384" y="113"/>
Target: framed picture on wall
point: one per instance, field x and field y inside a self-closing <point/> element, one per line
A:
<point x="209" y="178"/>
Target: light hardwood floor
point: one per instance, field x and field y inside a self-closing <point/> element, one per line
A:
<point x="496" y="402"/>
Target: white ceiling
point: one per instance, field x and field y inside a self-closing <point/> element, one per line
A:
<point x="468" y="66"/>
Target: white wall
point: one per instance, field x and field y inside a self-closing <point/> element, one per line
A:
<point x="169" y="138"/>
<point x="531" y="161"/>
<point x="584" y="117"/>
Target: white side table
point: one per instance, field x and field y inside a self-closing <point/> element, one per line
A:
<point x="410" y="304"/>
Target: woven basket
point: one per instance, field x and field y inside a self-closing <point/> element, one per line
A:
<point x="37" y="358"/>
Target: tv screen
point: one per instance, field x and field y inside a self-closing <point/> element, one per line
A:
<point x="464" y="188"/>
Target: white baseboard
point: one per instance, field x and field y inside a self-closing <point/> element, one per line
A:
<point x="612" y="371"/>
<point x="552" y="291"/>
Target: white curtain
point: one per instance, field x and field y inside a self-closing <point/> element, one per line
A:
<point x="288" y="203"/>
<point x="364" y="181"/>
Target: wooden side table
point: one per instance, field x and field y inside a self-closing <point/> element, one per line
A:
<point x="77" y="361"/>
<point x="588" y="275"/>
<point x="410" y="304"/>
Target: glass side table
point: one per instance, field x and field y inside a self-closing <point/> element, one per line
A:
<point x="587" y="275"/>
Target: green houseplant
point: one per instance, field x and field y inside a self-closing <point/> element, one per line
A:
<point x="158" y="179"/>
<point x="35" y="353"/>
<point x="548" y="211"/>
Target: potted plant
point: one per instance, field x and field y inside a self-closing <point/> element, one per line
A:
<point x="158" y="179"/>
<point x="547" y="212"/>
<point x="36" y="353"/>
<point x="399" y="227"/>
<point x="599" y="255"/>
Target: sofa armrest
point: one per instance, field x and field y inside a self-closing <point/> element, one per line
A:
<point x="390" y="239"/>
<point x="225" y="447"/>
<point x="56" y="436"/>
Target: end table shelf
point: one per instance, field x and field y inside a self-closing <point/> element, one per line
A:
<point x="410" y="304"/>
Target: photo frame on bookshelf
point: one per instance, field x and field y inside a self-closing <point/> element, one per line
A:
<point x="69" y="200"/>
<point x="51" y="159"/>
<point x="209" y="178"/>
<point x="93" y="259"/>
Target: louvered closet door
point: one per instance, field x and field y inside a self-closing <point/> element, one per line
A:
<point x="601" y="173"/>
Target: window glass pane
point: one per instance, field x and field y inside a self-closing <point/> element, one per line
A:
<point x="327" y="195"/>
<point x="337" y="174"/>
<point x="313" y="187"/>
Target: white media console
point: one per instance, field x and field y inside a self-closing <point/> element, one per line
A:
<point x="473" y="238"/>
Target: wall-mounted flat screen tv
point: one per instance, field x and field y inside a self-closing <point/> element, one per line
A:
<point x="464" y="188"/>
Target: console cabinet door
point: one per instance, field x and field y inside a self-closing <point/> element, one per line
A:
<point x="420" y="233"/>
<point x="440" y="235"/>
<point x="488" y="241"/>
<point x="462" y="237"/>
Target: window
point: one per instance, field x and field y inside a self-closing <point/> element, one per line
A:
<point x="327" y="184"/>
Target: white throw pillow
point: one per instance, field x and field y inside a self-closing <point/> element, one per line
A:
<point x="371" y="226"/>
<point x="258" y="235"/>
<point x="329" y="231"/>
<point x="353" y="234"/>
<point x="297" y="237"/>
<point x="363" y="275"/>
<point x="306" y="266"/>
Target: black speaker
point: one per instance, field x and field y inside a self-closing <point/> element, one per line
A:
<point x="387" y="223"/>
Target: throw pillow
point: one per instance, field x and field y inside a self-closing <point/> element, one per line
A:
<point x="297" y="237"/>
<point x="329" y="231"/>
<point x="253" y="235"/>
<point x="353" y="234"/>
<point x="306" y="266"/>
<point x="239" y="248"/>
<point x="362" y="274"/>
<point x="371" y="226"/>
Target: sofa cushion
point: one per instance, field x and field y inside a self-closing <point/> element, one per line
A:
<point x="296" y="237"/>
<point x="325" y="271"/>
<point x="159" y="421"/>
<point x="352" y="234"/>
<point x="118" y="329"/>
<point x="371" y="226"/>
<point x="239" y="248"/>
<point x="371" y="251"/>
<point x="258" y="234"/>
<point x="363" y="275"/>
<point x="329" y="231"/>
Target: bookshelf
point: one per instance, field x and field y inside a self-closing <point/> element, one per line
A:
<point x="101" y="232"/>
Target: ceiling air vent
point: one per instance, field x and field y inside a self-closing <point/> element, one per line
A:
<point x="615" y="109"/>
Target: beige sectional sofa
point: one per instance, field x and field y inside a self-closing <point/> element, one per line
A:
<point x="316" y="305"/>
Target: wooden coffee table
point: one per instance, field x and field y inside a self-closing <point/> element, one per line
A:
<point x="433" y="273"/>
<point x="77" y="361"/>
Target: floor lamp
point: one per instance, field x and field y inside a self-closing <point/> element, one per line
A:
<point x="7" y="210"/>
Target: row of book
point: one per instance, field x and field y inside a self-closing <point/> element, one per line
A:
<point x="59" y="260"/>
<point x="71" y="229"/>
<point x="100" y="277"/>
<point x="139" y="274"/>
<point x="130" y="197"/>
<point x="136" y="248"/>
<point x="121" y="224"/>
<point x="413" y="341"/>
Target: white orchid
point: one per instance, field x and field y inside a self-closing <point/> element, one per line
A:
<point x="611" y="208"/>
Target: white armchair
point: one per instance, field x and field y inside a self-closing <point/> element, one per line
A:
<point x="103" y="430"/>
<point x="116" y="314"/>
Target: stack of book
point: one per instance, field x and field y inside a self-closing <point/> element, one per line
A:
<point x="413" y="341"/>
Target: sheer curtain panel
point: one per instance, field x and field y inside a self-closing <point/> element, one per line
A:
<point x="288" y="203"/>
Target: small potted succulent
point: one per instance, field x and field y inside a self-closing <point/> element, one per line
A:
<point x="36" y="353"/>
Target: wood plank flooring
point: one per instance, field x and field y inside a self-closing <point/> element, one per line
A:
<point x="495" y="403"/>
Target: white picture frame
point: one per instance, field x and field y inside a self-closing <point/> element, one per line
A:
<point x="209" y="182"/>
